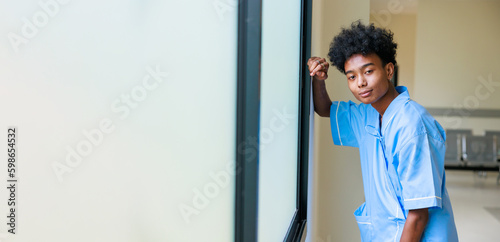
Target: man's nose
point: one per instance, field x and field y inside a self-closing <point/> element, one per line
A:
<point x="361" y="81"/>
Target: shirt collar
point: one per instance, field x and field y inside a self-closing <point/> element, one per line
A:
<point x="394" y="106"/>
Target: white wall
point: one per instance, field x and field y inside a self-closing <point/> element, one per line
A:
<point x="456" y="53"/>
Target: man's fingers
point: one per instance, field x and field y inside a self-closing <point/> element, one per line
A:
<point x="312" y="60"/>
<point x="313" y="67"/>
<point x="317" y="66"/>
<point x="317" y="69"/>
<point x="312" y="63"/>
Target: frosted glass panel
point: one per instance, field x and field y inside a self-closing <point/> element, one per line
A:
<point x="279" y="118"/>
<point x="125" y="119"/>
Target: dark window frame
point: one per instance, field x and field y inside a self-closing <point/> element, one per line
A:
<point x="248" y="119"/>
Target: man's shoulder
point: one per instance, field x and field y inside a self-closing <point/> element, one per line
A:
<point x="357" y="109"/>
<point x="416" y="120"/>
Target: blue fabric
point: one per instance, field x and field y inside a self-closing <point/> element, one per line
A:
<point x="402" y="164"/>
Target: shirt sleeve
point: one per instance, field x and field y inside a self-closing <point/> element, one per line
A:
<point x="343" y="117"/>
<point x="420" y="171"/>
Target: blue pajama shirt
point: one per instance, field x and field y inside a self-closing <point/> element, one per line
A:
<point x="402" y="164"/>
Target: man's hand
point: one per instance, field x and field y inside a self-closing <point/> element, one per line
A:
<point x="415" y="225"/>
<point x="318" y="68"/>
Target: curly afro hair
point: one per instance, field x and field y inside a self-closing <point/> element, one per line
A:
<point x="362" y="39"/>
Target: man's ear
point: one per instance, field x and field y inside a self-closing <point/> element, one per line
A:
<point x="389" y="69"/>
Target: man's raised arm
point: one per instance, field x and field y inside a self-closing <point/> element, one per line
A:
<point x="318" y="69"/>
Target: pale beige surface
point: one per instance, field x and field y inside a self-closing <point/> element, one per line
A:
<point x="470" y="196"/>
<point x="457" y="44"/>
<point x="456" y="54"/>
<point x="338" y="188"/>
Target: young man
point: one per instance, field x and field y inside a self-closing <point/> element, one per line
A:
<point x="401" y="146"/>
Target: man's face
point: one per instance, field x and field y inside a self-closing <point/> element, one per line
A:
<point x="367" y="78"/>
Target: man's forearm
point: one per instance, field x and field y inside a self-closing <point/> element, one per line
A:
<point x="321" y="99"/>
<point x="415" y="225"/>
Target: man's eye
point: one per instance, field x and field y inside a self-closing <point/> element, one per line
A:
<point x="369" y="71"/>
<point x="350" y="77"/>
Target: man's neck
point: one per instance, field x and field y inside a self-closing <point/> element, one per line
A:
<point x="383" y="103"/>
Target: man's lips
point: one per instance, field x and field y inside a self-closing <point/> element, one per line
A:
<point x="365" y="93"/>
